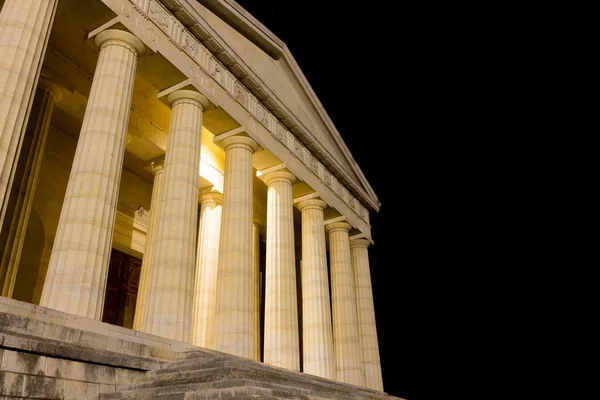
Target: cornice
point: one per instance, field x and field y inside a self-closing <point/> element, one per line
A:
<point x="256" y="32"/>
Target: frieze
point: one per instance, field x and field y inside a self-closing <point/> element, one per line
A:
<point x="314" y="165"/>
<point x="240" y="94"/>
<point x="190" y="45"/>
<point x="159" y="15"/>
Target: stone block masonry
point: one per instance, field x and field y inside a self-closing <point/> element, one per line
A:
<point x="49" y="354"/>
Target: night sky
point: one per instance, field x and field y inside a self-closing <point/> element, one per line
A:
<point x="354" y="58"/>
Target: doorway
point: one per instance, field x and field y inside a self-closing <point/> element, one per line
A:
<point x="121" y="289"/>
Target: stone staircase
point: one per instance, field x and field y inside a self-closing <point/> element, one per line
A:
<point x="199" y="375"/>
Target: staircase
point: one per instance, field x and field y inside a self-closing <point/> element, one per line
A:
<point x="199" y="375"/>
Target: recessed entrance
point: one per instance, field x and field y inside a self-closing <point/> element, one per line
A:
<point x="121" y="289"/>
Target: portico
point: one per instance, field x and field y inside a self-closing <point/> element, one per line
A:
<point x="158" y="138"/>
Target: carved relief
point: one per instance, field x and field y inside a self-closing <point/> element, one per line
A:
<point x="158" y="15"/>
<point x="189" y="45"/>
<point x="327" y="178"/>
<point x="279" y="132"/>
<point x="199" y="53"/>
<point x="298" y="150"/>
<point x="314" y="165"/>
<point x="240" y="94"/>
<point x="363" y="213"/>
<point x="215" y="70"/>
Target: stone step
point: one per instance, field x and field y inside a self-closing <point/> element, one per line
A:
<point x="199" y="380"/>
<point x="233" y="390"/>
<point x="232" y="367"/>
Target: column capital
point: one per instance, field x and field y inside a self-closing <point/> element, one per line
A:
<point x="336" y="226"/>
<point x="196" y="97"/>
<point x="215" y="197"/>
<point x="122" y="38"/>
<point x="359" y="243"/>
<point x="50" y="87"/>
<point x="279" y="176"/>
<point x="310" y="204"/>
<point x="240" y="141"/>
<point x="157" y="166"/>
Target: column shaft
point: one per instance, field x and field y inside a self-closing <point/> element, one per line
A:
<point x="78" y="267"/>
<point x="140" y="304"/>
<point x="366" y="314"/>
<point x="168" y="310"/>
<point x="317" y="333"/>
<point x="24" y="31"/>
<point x="282" y="346"/>
<point x="343" y="298"/>
<point x="47" y="94"/>
<point x="207" y="263"/>
<point x="256" y="258"/>
<point x="234" y="325"/>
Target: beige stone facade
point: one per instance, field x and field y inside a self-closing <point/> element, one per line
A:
<point x="166" y="163"/>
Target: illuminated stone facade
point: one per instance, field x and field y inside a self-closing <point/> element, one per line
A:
<point x="166" y="167"/>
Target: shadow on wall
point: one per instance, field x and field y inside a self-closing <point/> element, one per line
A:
<point x="30" y="259"/>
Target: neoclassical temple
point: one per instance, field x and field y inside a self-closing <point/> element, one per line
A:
<point x="168" y="173"/>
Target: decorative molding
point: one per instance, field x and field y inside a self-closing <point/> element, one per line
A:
<point x="238" y="90"/>
<point x="184" y="40"/>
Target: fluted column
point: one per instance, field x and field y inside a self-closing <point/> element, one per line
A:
<point x="157" y="168"/>
<point x="256" y="223"/>
<point x="76" y="278"/>
<point x="366" y="314"/>
<point x="168" y="311"/>
<point x="47" y="94"/>
<point x="24" y="31"/>
<point x="207" y="263"/>
<point x="346" y="344"/>
<point x="282" y="346"/>
<point x="317" y="333"/>
<point x="234" y="324"/>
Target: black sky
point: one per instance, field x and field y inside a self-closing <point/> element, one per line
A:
<point x="353" y="56"/>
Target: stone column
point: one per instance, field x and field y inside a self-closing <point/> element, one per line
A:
<point x="317" y="334"/>
<point x="282" y="346"/>
<point x="346" y="344"/>
<point x="168" y="311"/>
<point x="76" y="278"/>
<point x="234" y="324"/>
<point x="157" y="168"/>
<point x="256" y="223"/>
<point x="366" y="314"/>
<point x="48" y="93"/>
<point x="24" y="31"/>
<point x="207" y="263"/>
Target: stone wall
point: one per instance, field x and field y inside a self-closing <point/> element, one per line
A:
<point x="49" y="354"/>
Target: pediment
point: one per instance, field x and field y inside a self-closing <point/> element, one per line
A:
<point x="282" y="87"/>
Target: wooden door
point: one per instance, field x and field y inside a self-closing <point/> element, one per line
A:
<point x="121" y="289"/>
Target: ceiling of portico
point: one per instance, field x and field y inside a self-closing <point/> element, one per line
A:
<point x="71" y="61"/>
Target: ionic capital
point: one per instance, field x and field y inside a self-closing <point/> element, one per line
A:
<point x="120" y="38"/>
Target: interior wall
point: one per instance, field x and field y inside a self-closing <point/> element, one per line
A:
<point x="30" y="259"/>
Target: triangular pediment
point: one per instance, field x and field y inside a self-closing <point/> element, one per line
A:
<point x="270" y="65"/>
